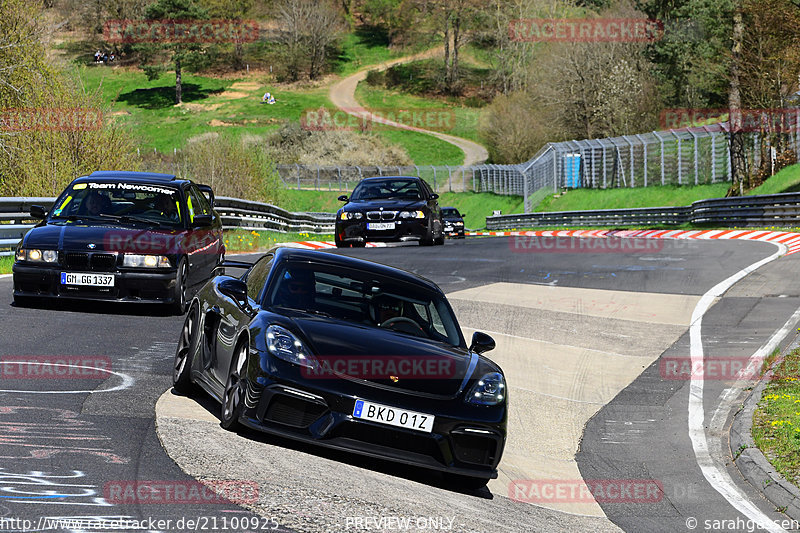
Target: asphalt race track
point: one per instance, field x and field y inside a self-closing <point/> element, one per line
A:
<point x="92" y="429"/>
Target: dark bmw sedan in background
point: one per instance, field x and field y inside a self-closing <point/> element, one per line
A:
<point x="453" y="222"/>
<point x="390" y="208"/>
<point x="121" y="236"/>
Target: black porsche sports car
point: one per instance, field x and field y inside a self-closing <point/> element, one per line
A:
<point x="121" y="236"/>
<point x="348" y="354"/>
<point x="453" y="222"/>
<point x="389" y="208"/>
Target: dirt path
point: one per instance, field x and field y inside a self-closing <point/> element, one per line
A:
<point x="342" y="94"/>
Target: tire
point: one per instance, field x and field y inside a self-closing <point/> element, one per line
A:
<point x="439" y="241"/>
<point x="233" y="396"/>
<point x="179" y="296"/>
<point x="359" y="244"/>
<point x="339" y="244"/>
<point x="466" y="482"/>
<point x="184" y="355"/>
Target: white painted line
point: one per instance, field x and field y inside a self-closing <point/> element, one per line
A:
<point x="127" y="382"/>
<point x="716" y="475"/>
<point x="5" y="276"/>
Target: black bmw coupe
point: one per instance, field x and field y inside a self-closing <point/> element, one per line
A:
<point x="389" y="208"/>
<point x="348" y="354"/>
<point x="121" y="236"/>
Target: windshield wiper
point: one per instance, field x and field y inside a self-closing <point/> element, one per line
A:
<point x="129" y="218"/>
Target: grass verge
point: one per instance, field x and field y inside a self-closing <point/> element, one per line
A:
<point x="244" y="241"/>
<point x="667" y="195"/>
<point x="228" y="107"/>
<point x="787" y="180"/>
<point x="5" y="264"/>
<point x="776" y="422"/>
<point x="452" y="119"/>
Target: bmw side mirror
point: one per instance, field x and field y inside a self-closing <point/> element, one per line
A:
<point x="236" y="289"/>
<point x="462" y="215"/>
<point x="343" y="198"/>
<point x="38" y="211"/>
<point x="208" y="192"/>
<point x="481" y="342"/>
<point x="201" y="221"/>
<point x="434" y="196"/>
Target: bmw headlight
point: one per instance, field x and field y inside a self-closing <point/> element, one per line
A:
<point x="36" y="256"/>
<point x="458" y="223"/>
<point x="412" y="214"/>
<point x="350" y="215"/>
<point x="489" y="390"/>
<point x="284" y="345"/>
<point x="145" y="261"/>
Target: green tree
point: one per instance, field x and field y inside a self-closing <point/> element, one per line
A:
<point x="181" y="52"/>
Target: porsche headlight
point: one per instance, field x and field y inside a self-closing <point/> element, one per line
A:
<point x="36" y="256"/>
<point x="412" y="214"/>
<point x="350" y="215"/>
<point x="145" y="261"/>
<point x="489" y="390"/>
<point x="284" y="345"/>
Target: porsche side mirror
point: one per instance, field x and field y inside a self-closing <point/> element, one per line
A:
<point x="236" y="289"/>
<point x="434" y="196"/>
<point x="481" y="342"/>
<point x="343" y="198"/>
<point x="38" y="211"/>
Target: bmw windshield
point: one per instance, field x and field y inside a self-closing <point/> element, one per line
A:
<point x="119" y="202"/>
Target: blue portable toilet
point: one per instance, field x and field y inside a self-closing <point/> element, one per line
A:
<point x="572" y="170"/>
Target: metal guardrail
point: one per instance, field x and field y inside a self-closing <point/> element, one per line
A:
<point x="746" y="211"/>
<point x="15" y="219"/>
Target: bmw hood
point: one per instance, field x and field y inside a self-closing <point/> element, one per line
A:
<point x="383" y="357"/>
<point x="387" y="205"/>
<point x="98" y="238"/>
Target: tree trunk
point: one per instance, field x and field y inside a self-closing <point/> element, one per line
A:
<point x="178" y="86"/>
<point x="739" y="180"/>
<point x="454" y="66"/>
<point x="447" y="52"/>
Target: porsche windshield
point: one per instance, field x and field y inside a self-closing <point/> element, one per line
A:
<point x="404" y="189"/>
<point x="121" y="202"/>
<point x="364" y="298"/>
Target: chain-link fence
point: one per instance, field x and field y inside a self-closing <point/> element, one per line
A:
<point x="688" y="156"/>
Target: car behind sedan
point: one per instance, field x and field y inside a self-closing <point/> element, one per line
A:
<point x="453" y="222"/>
<point x="121" y="236"/>
<point x="347" y="354"/>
